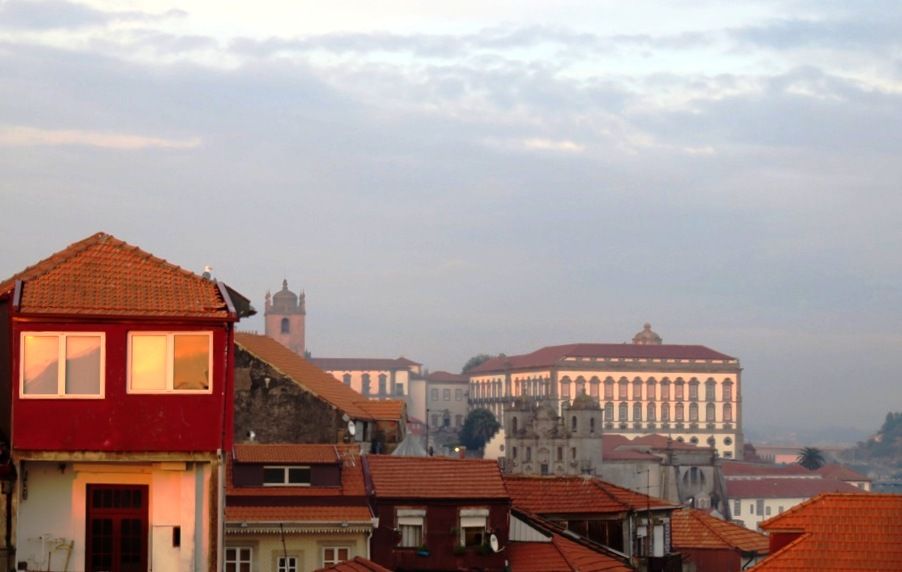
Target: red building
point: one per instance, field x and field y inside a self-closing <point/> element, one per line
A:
<point x="436" y="513"/>
<point x="115" y="392"/>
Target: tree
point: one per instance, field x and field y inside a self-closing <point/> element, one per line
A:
<point x="811" y="458"/>
<point x="479" y="426"/>
<point x="477" y="361"/>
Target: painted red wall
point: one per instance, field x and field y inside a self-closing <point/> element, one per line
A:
<point x="780" y="539"/>
<point x="710" y="560"/>
<point x="121" y="422"/>
<point x="441" y="518"/>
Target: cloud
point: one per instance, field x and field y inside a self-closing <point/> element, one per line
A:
<point x="21" y="136"/>
<point x="59" y="14"/>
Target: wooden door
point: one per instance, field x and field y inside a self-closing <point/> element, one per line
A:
<point x="117" y="528"/>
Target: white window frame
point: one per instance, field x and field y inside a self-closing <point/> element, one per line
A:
<point x="334" y="560"/>
<point x="170" y="363"/>
<point x="285" y="482"/>
<point x="411" y="517"/>
<point x="238" y="557"/>
<point x="61" y="368"/>
<point x="287" y="564"/>
<point x="477" y="518"/>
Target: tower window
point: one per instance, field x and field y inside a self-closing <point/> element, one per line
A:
<point x="286" y="326"/>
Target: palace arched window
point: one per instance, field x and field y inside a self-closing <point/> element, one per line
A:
<point x="710" y="414"/>
<point x="580" y="386"/>
<point x="346" y="378"/>
<point x="678" y="412"/>
<point x="678" y="387"/>
<point x="609" y="411"/>
<point x="383" y="384"/>
<point x="593" y="387"/>
<point x="651" y="390"/>
<point x="665" y="389"/>
<point x="637" y="389"/>
<point x="727" y="390"/>
<point x="622" y="389"/>
<point x="693" y="412"/>
<point x="624" y="412"/>
<point x="693" y="389"/>
<point x="365" y="384"/>
<point x="285" y="326"/>
<point x="665" y="412"/>
<point x="650" y="415"/>
<point x="565" y="388"/>
<point x="637" y="412"/>
<point x="710" y="390"/>
<point x="728" y="412"/>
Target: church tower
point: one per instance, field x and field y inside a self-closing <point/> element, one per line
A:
<point x="285" y="313"/>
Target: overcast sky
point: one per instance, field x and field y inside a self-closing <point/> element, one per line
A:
<point x="450" y="178"/>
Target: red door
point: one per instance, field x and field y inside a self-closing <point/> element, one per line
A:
<point x="116" y="528"/>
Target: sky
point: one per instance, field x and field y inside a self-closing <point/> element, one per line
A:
<point x="451" y="178"/>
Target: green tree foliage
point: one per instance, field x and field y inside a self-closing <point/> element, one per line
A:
<point x="479" y="426"/>
<point x="477" y="361"/>
<point x="811" y="458"/>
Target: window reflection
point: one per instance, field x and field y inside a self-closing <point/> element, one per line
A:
<point x="148" y="362"/>
<point x="192" y="362"/>
<point x="41" y="367"/>
<point x="83" y="365"/>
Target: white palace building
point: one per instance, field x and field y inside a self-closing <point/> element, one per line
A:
<point x="689" y="392"/>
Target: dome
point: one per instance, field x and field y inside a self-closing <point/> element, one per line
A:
<point x="583" y="401"/>
<point x="284" y="300"/>
<point x="647" y="337"/>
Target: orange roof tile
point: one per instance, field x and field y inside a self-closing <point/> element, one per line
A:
<point x="435" y="477"/>
<point x="357" y="564"/>
<point x="692" y="528"/>
<point x="384" y="409"/>
<point x="363" y="364"/>
<point x="847" y="532"/>
<point x="560" y="555"/>
<point x="102" y="275"/>
<point x="575" y="495"/>
<point x="285" y="514"/>
<point x="739" y="469"/>
<point x="308" y="376"/>
<point x="286" y="453"/>
<point x="785" y="488"/>
<point x="840" y="472"/>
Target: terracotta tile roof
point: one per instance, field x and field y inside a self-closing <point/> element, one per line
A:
<point x="839" y="532"/>
<point x="840" y="472"/>
<point x="692" y="528"/>
<point x="741" y="469"/>
<point x="362" y="364"/>
<point x="560" y="555"/>
<point x="352" y="483"/>
<point x="446" y="377"/>
<point x="435" y="477"/>
<point x="785" y="488"/>
<point x="312" y="378"/>
<point x="574" y="495"/>
<point x="357" y="564"/>
<point x="286" y="453"/>
<point x="384" y="409"/>
<point x="298" y="514"/>
<point x="102" y="275"/>
<point x="551" y="355"/>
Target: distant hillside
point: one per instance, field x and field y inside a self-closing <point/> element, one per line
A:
<point x="881" y="455"/>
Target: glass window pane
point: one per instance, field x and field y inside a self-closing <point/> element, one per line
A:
<point x="274" y="475"/>
<point x="148" y="362"/>
<point x="299" y="475"/>
<point x="192" y="362"/>
<point x="83" y="365"/>
<point x="41" y="367"/>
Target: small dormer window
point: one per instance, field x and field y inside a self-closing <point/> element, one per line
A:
<point x="177" y="362"/>
<point x="62" y="364"/>
<point x="286" y="476"/>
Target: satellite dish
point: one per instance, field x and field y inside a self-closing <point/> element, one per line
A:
<point x="352" y="427"/>
<point x="493" y="542"/>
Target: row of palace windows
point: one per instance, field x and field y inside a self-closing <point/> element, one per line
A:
<point x="652" y="389"/>
<point x="72" y="364"/>
<point x="366" y="384"/>
<point x="446" y="394"/>
<point x="678" y="412"/>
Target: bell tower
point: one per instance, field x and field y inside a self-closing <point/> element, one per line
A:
<point x="285" y="313"/>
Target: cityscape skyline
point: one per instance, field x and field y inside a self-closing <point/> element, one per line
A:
<point x="465" y="179"/>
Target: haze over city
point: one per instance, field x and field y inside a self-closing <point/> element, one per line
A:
<point x="460" y="178"/>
